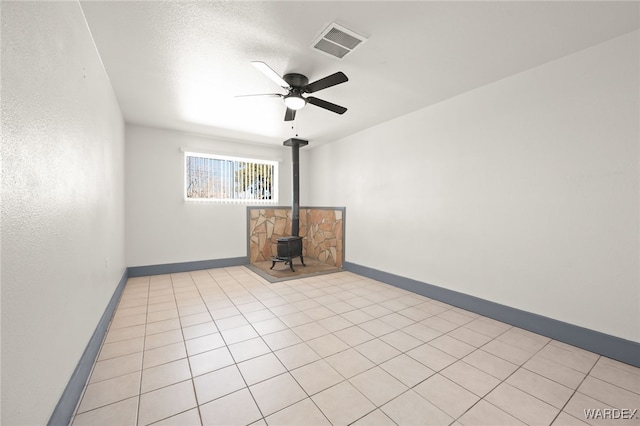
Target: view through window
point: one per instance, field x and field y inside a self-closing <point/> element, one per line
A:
<point x="230" y="179"/>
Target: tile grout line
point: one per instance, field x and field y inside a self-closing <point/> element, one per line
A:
<point x="186" y="351"/>
<point x="163" y="363"/>
<point x="447" y="333"/>
<point x="611" y="383"/>
<point x="236" y="287"/>
<point x="576" y="390"/>
<point x="345" y="379"/>
<point x="457" y="358"/>
<point x="518" y="367"/>
<point x="321" y="358"/>
<point x="331" y="333"/>
<point x="501" y="381"/>
<point x="144" y="343"/>
<point x="235" y="363"/>
<point x="505" y="379"/>
<point x="461" y="359"/>
<point x="93" y="367"/>
<point x="95" y="363"/>
<point x="286" y="368"/>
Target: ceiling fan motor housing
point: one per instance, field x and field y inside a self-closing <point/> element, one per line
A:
<point x="296" y="80"/>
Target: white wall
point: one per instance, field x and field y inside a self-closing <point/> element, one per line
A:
<point x="523" y="192"/>
<point x="161" y="227"/>
<point x="62" y="202"/>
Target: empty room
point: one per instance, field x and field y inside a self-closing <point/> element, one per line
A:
<point x="320" y="213"/>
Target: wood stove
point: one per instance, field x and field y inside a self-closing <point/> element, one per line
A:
<point x="291" y="247"/>
<point x="288" y="248"/>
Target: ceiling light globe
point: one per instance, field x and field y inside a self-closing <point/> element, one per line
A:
<point x="294" y="102"/>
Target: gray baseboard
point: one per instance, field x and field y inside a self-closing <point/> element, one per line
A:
<point x="173" y="268"/>
<point x="622" y="350"/>
<point x="69" y="400"/>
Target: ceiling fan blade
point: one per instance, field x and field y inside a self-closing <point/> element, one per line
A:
<point x="271" y="95"/>
<point x="328" y="81"/>
<point x="290" y="115"/>
<point x="266" y="70"/>
<point x="326" y="105"/>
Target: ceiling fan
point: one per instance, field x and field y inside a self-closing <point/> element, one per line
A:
<point x="297" y="85"/>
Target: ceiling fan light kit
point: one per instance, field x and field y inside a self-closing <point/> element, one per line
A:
<point x="294" y="101"/>
<point x="297" y="85"/>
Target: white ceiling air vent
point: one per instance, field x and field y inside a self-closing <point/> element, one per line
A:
<point x="337" y="41"/>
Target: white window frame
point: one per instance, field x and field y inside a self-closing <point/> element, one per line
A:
<point x="228" y="185"/>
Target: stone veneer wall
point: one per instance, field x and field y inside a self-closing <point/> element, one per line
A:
<point x="322" y="230"/>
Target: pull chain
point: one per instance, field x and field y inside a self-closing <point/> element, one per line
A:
<point x="293" y="128"/>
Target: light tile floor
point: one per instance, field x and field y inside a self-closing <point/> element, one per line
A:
<point x="225" y="347"/>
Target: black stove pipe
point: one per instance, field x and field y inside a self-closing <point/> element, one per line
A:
<point x="295" y="145"/>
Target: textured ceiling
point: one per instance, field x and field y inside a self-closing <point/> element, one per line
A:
<point x="179" y="65"/>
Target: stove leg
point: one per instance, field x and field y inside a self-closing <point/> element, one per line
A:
<point x="291" y="265"/>
<point x="302" y="260"/>
<point x="273" y="263"/>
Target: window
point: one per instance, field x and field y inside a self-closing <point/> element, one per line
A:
<point x="230" y="179"/>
